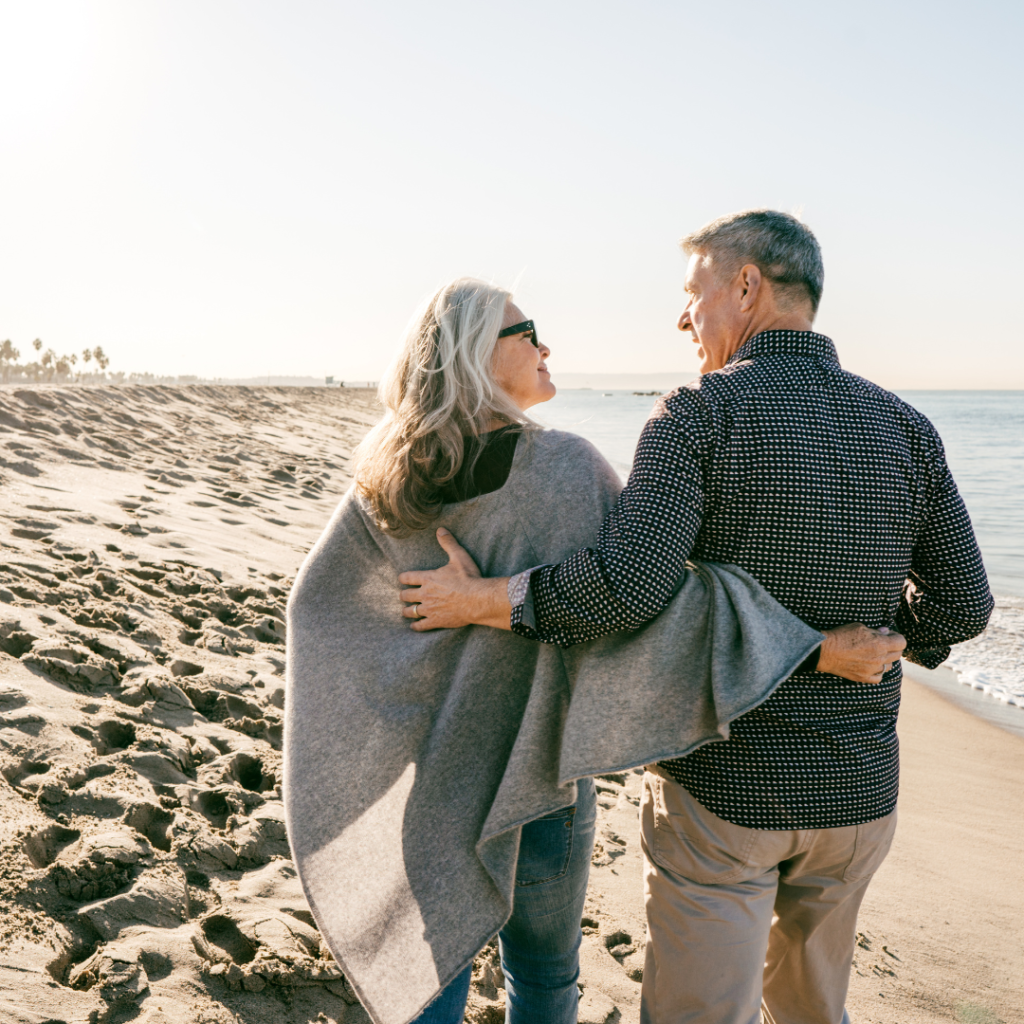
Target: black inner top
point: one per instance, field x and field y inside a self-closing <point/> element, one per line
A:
<point x="489" y="472"/>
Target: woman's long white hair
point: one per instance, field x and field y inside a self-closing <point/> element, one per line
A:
<point x="440" y="396"/>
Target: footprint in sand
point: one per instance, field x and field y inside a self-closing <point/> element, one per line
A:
<point x="144" y="779"/>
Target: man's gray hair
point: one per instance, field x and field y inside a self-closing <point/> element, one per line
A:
<point x="782" y="248"/>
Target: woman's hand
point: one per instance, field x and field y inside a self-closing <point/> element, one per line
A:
<point x="456" y="594"/>
<point x="856" y="652"/>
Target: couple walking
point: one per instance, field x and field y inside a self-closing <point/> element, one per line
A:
<point x="732" y="619"/>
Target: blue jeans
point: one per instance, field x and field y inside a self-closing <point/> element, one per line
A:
<point x="540" y="944"/>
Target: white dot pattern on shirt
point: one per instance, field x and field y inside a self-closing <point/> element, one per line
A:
<point x="835" y="495"/>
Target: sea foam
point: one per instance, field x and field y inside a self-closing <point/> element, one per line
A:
<point x="994" y="661"/>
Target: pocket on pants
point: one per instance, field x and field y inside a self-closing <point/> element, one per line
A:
<point x="691" y="841"/>
<point x="546" y="848"/>
<point x="874" y="838"/>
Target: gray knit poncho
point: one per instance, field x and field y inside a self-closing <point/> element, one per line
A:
<point x="413" y="759"/>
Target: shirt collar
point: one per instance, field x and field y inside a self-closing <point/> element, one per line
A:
<point x="787" y="343"/>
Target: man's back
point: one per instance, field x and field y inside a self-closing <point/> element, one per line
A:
<point x="834" y="494"/>
<point x="817" y="482"/>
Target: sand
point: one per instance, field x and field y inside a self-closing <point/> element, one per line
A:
<point x="943" y="922"/>
<point x="149" y="536"/>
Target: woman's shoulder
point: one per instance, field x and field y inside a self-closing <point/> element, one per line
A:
<point x="562" y="442"/>
<point x="560" y="490"/>
<point x="571" y="455"/>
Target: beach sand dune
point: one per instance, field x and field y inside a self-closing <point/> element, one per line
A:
<point x="148" y="538"/>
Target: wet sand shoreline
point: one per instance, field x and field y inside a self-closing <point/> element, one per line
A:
<point x="945" y="682"/>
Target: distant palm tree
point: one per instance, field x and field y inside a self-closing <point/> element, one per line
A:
<point x="8" y="355"/>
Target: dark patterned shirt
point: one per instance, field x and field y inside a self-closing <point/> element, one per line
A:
<point x="835" y="495"/>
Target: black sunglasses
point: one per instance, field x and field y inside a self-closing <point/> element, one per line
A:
<point x="526" y="325"/>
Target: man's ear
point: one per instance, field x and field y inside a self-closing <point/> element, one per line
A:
<point x="750" y="281"/>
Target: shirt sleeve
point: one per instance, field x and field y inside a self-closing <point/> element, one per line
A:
<point x="630" y="575"/>
<point x="946" y="599"/>
<point x="521" y="598"/>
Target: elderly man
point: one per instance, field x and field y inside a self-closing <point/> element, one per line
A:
<point x="835" y="495"/>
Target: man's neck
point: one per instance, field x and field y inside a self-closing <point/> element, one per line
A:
<point x="776" y="321"/>
<point x="773" y="320"/>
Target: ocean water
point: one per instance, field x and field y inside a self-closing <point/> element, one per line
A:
<point x="983" y="432"/>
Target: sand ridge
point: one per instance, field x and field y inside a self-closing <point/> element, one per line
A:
<point x="149" y="536"/>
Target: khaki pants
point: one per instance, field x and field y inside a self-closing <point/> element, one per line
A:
<point x="712" y="889"/>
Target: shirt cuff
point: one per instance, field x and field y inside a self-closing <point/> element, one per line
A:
<point x="810" y="663"/>
<point x="931" y="657"/>
<point x="520" y="596"/>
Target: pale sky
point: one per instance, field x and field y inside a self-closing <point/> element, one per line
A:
<point x="237" y="188"/>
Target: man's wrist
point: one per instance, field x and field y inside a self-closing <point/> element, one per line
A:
<point x="826" y="652"/>
<point x="490" y="603"/>
<point x="810" y="663"/>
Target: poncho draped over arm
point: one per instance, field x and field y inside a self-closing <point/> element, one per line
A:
<point x="413" y="759"/>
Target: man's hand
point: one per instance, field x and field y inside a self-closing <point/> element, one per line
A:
<point x="856" y="652"/>
<point x="456" y="594"/>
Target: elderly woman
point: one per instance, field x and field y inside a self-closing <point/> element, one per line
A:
<point x="437" y="784"/>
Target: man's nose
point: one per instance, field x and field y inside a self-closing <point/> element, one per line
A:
<point x="685" y="323"/>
